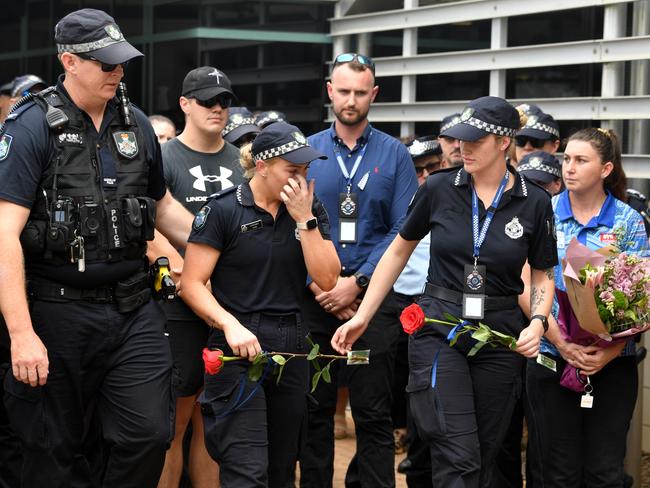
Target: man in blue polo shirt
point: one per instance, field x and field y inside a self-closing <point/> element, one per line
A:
<point x="366" y="185"/>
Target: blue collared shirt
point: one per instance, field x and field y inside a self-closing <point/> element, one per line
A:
<point x="600" y="231"/>
<point x="390" y="183"/>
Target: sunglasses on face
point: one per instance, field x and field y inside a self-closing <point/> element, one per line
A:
<point x="106" y="68"/>
<point x="536" y="143"/>
<point x="224" y="101"/>
<point x="360" y="58"/>
<point x="430" y="167"/>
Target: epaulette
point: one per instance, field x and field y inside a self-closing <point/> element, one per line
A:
<point x="222" y="193"/>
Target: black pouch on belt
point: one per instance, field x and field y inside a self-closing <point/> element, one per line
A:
<point x="133" y="292"/>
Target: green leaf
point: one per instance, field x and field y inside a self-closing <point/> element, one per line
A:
<point x="481" y="335"/>
<point x="261" y="357"/>
<point x="277" y="381"/>
<point x="314" y="381"/>
<point x="477" y="347"/>
<point x="451" y="318"/>
<point x="326" y="374"/>
<point x="255" y="371"/>
<point x="279" y="359"/>
<point x="316" y="364"/>
<point x="314" y="352"/>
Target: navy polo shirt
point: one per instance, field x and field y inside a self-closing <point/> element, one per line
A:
<point x="388" y="182"/>
<point x="522" y="229"/>
<point x="261" y="267"/>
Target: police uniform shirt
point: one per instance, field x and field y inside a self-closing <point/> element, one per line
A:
<point x="193" y="176"/>
<point x="261" y="267"/>
<point x="522" y="228"/>
<point x="31" y="149"/>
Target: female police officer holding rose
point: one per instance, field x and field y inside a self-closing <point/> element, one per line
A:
<point x="485" y="221"/>
<point x="256" y="243"/>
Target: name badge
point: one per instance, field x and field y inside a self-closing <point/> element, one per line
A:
<point x="546" y="362"/>
<point x="474" y="291"/>
<point x="348" y="212"/>
<point x="473" y="306"/>
<point x="257" y="224"/>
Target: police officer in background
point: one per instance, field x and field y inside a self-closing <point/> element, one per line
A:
<point x="541" y="132"/>
<point x="449" y="145"/>
<point x="241" y="127"/>
<point x="82" y="183"/>
<point x="5" y="100"/>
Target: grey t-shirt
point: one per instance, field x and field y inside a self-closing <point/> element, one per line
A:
<point x="193" y="176"/>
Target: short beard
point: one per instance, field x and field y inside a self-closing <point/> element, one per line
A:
<point x="351" y="122"/>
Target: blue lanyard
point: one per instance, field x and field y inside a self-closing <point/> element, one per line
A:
<point x="479" y="237"/>
<point x="357" y="163"/>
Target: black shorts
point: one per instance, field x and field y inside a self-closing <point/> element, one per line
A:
<point x="187" y="339"/>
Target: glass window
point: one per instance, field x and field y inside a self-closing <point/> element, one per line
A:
<point x="452" y="86"/>
<point x="550" y="27"/>
<point x="582" y="80"/>
<point x="454" y="37"/>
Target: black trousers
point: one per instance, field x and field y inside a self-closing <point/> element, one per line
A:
<point x="582" y="447"/>
<point x="257" y="444"/>
<point x="370" y="399"/>
<point x="121" y="363"/>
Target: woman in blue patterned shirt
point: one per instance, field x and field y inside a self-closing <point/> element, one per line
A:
<point x="582" y="446"/>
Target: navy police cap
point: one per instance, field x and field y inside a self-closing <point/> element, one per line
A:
<point x="93" y="32"/>
<point x="424" y="146"/>
<point x="540" y="166"/>
<point x="265" y="118"/>
<point x="483" y="116"/>
<point x="240" y="122"/>
<point x="540" y="125"/>
<point x="285" y="141"/>
<point x="449" y="121"/>
<point x="22" y="85"/>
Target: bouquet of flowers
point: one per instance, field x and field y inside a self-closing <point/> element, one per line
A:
<point x="413" y="319"/>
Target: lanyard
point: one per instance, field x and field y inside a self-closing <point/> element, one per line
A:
<point x="479" y="237"/>
<point x="355" y="167"/>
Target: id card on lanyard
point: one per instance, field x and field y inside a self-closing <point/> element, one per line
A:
<point x="474" y="274"/>
<point x="348" y="201"/>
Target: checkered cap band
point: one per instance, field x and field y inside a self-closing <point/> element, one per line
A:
<point x="450" y="124"/>
<point x="544" y="128"/>
<point x="280" y="150"/>
<point x="88" y="46"/>
<point x="491" y="128"/>
<point x="234" y="125"/>
<point x="267" y="119"/>
<point x="540" y="167"/>
<point x="420" y="147"/>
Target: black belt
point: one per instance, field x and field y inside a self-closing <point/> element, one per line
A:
<point x="452" y="296"/>
<point x="53" y="291"/>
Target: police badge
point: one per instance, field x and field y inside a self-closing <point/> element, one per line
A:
<point x="514" y="229"/>
<point x="5" y="144"/>
<point x="201" y="218"/>
<point x="299" y="138"/>
<point x="126" y="144"/>
<point x="467" y="114"/>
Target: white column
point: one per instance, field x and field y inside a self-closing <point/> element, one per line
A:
<point x="499" y="39"/>
<point x="613" y="73"/>
<point x="409" y="48"/>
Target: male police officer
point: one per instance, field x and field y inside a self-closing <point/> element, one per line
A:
<point x="365" y="184"/>
<point x="450" y="146"/>
<point x="81" y="184"/>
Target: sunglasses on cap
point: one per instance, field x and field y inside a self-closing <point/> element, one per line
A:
<point x="360" y="58"/>
<point x="224" y="101"/>
<point x="521" y="141"/>
<point x="106" y="68"/>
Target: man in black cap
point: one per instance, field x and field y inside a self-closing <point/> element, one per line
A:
<point x="197" y="164"/>
<point x="82" y="188"/>
<point x="450" y="146"/>
<point x="426" y="153"/>
<point x="540" y="133"/>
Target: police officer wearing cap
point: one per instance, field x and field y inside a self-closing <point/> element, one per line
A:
<point x="197" y="163"/>
<point x="449" y="145"/>
<point x="269" y="117"/>
<point x="485" y="221"/>
<point x="540" y="133"/>
<point x="256" y="243"/>
<point x="82" y="188"/>
<point x="365" y="185"/>
<point x="241" y="127"/>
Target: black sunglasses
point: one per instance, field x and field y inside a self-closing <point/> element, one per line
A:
<point x="521" y="141"/>
<point x="430" y="167"/>
<point x="106" y="68"/>
<point x="360" y="58"/>
<point x="224" y="101"/>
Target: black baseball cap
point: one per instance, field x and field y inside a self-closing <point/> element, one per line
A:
<point x="540" y="125"/>
<point x="449" y="121"/>
<point x="93" y="32"/>
<point x="25" y="84"/>
<point x="265" y="118"/>
<point x="285" y="141"/>
<point x="206" y="82"/>
<point x="240" y="122"/>
<point x="540" y="166"/>
<point x="424" y="146"/>
<point x="483" y="116"/>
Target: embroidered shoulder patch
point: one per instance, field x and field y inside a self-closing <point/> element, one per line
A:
<point x="5" y="144"/>
<point x="201" y="218"/>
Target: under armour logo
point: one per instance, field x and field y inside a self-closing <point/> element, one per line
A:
<point x="216" y="73"/>
<point x="199" y="184"/>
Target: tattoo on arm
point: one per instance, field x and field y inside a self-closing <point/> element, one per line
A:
<point x="549" y="273"/>
<point x="537" y="297"/>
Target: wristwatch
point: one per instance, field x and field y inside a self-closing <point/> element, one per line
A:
<point x="310" y="224"/>
<point x="544" y="320"/>
<point x="362" y="280"/>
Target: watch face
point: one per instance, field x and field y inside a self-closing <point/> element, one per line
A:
<point x="362" y="281"/>
<point x="312" y="223"/>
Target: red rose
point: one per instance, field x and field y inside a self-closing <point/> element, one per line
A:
<point x="213" y="360"/>
<point x="412" y="318"/>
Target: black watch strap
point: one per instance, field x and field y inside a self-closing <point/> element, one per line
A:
<point x="362" y="280"/>
<point x="544" y="320"/>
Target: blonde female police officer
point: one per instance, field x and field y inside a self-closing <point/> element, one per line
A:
<point x="462" y="405"/>
<point x="256" y="243"/>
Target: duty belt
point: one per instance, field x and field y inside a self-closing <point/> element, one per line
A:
<point x="51" y="290"/>
<point x="491" y="303"/>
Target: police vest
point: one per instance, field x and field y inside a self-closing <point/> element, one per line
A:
<point x="91" y="205"/>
